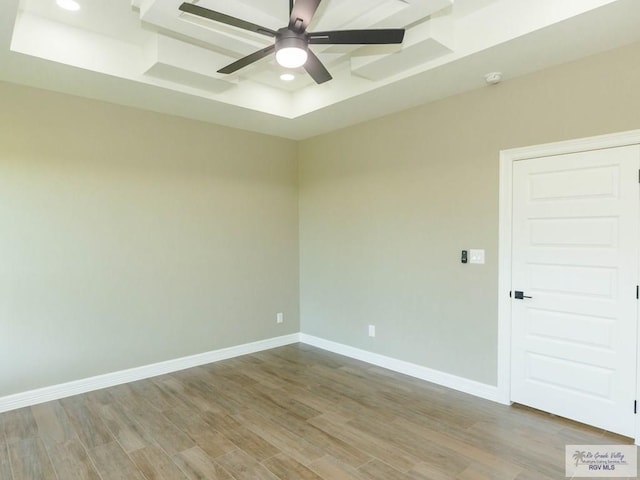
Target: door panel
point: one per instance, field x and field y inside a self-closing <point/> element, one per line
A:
<point x="575" y="252"/>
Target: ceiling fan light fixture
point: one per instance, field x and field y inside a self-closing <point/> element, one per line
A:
<point x="291" y="51"/>
<point x="291" y="57"/>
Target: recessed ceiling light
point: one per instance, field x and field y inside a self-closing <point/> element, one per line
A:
<point x="287" y="77"/>
<point x="70" y="5"/>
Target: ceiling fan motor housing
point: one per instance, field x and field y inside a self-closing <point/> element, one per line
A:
<point x="289" y="39"/>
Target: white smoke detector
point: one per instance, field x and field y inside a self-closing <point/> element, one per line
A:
<point x="493" y="78"/>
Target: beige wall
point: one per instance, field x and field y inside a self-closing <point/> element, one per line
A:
<point x="387" y="206"/>
<point x="128" y="237"/>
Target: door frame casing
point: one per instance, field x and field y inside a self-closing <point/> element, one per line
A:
<point x="507" y="159"/>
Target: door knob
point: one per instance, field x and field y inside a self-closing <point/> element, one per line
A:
<point x="520" y="295"/>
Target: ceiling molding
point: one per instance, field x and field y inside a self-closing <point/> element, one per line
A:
<point x="147" y="54"/>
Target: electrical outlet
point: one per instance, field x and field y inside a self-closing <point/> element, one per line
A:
<point x="279" y="317"/>
<point x="372" y="330"/>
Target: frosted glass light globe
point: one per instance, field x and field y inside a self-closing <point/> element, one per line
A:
<point x="291" y="57"/>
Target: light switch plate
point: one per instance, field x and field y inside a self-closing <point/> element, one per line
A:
<point x="476" y="256"/>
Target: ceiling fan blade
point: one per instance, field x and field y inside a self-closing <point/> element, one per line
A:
<point x="226" y="19"/>
<point x="302" y="13"/>
<point x="249" y="59"/>
<point x="358" y="37"/>
<point x="316" y="69"/>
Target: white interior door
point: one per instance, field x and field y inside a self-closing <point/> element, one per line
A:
<point x="575" y="253"/>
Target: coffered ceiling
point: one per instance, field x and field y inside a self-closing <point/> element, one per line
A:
<point x="148" y="54"/>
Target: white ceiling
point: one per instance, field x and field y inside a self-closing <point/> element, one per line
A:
<point x="147" y="54"/>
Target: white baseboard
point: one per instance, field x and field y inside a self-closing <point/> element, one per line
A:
<point x="76" y="387"/>
<point x="482" y="390"/>
<point x="55" y="392"/>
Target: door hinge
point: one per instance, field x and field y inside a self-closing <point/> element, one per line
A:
<point x="635" y="406"/>
<point x="637" y="292"/>
<point x="509" y="293"/>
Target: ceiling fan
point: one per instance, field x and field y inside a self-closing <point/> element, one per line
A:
<point x="292" y="42"/>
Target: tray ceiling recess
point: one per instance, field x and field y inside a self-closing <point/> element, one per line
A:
<point x="152" y="54"/>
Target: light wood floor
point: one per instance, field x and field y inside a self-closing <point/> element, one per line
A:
<point x="292" y="413"/>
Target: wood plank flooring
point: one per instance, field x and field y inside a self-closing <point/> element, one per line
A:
<point x="292" y="413"/>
